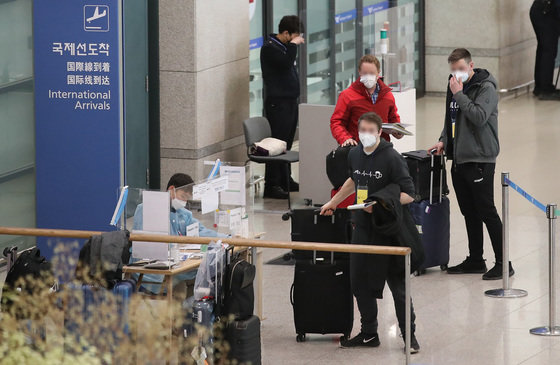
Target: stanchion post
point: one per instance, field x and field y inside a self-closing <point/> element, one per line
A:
<point x="505" y="231"/>
<point x="505" y="291"/>
<point x="408" y="308"/>
<point x="551" y="329"/>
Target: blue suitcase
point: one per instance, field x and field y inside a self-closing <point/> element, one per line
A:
<point x="199" y="327"/>
<point x="432" y="221"/>
<point x="95" y="312"/>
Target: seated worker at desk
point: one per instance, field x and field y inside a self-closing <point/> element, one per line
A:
<point x="180" y="218"/>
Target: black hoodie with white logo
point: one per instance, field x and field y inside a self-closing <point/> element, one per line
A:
<point x="383" y="167"/>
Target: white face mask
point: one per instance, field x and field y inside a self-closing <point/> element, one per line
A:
<point x="461" y="75"/>
<point x="178" y="204"/>
<point x="369" y="81"/>
<point x="368" y="140"/>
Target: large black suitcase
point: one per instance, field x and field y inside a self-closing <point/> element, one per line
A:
<point x="321" y="297"/>
<point x="309" y="226"/>
<point x="433" y="224"/>
<point x="428" y="175"/>
<point x="244" y="338"/>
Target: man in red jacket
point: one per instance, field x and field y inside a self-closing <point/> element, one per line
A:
<point x="369" y="94"/>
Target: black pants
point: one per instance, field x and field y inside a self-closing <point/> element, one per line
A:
<point x="474" y="187"/>
<point x="367" y="304"/>
<point x="547" y="29"/>
<point x="282" y="114"/>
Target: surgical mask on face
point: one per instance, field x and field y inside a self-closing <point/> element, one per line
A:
<point x="368" y="140"/>
<point x="461" y="75"/>
<point x="369" y="81"/>
<point x="178" y="204"/>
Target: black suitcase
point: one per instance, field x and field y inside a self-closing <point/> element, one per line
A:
<point x="428" y="175"/>
<point x="309" y="226"/>
<point x="244" y="338"/>
<point x="321" y="297"/>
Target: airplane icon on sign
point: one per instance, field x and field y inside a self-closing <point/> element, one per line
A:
<point x="96" y="15"/>
<point x="96" y="18"/>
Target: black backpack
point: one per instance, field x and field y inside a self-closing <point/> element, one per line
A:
<point x="31" y="272"/>
<point x="239" y="296"/>
<point x="337" y="166"/>
<point x="102" y="258"/>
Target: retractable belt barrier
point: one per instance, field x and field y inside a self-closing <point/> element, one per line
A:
<point x="507" y="292"/>
<point x="242" y="242"/>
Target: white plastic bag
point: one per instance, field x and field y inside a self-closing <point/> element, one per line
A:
<point x="210" y="272"/>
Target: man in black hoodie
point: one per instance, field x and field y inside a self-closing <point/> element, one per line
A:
<point x="374" y="165"/>
<point x="281" y="88"/>
<point x="470" y="139"/>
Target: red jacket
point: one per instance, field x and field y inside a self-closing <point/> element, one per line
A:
<point x="355" y="101"/>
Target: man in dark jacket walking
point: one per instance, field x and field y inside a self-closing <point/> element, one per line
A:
<point x="374" y="166"/>
<point x="281" y="88"/>
<point x="470" y="139"/>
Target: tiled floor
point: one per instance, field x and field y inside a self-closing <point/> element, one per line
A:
<point x="456" y="323"/>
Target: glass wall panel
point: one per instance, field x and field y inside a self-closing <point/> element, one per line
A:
<point x="318" y="38"/>
<point x="17" y="140"/>
<point x="280" y="9"/>
<point x="345" y="43"/>
<point x="338" y="33"/>
<point x="401" y="64"/>
<point x="256" y="37"/>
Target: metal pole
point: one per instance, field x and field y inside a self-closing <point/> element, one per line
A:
<point x="551" y="329"/>
<point x="408" y="308"/>
<point x="505" y="291"/>
<point x="505" y="231"/>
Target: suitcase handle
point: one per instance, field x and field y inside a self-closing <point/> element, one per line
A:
<point x="442" y="171"/>
<point x="292" y="294"/>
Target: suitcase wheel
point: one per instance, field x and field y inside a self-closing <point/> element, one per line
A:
<point x="419" y="272"/>
<point x="300" y="337"/>
<point x="443" y="267"/>
<point x="286" y="216"/>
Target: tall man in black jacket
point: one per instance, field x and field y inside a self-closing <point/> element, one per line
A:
<point x="281" y="87"/>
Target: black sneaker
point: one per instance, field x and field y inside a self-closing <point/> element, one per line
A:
<point x="275" y="192"/>
<point x="361" y="340"/>
<point x="495" y="273"/>
<point x="414" y="346"/>
<point x="468" y="266"/>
